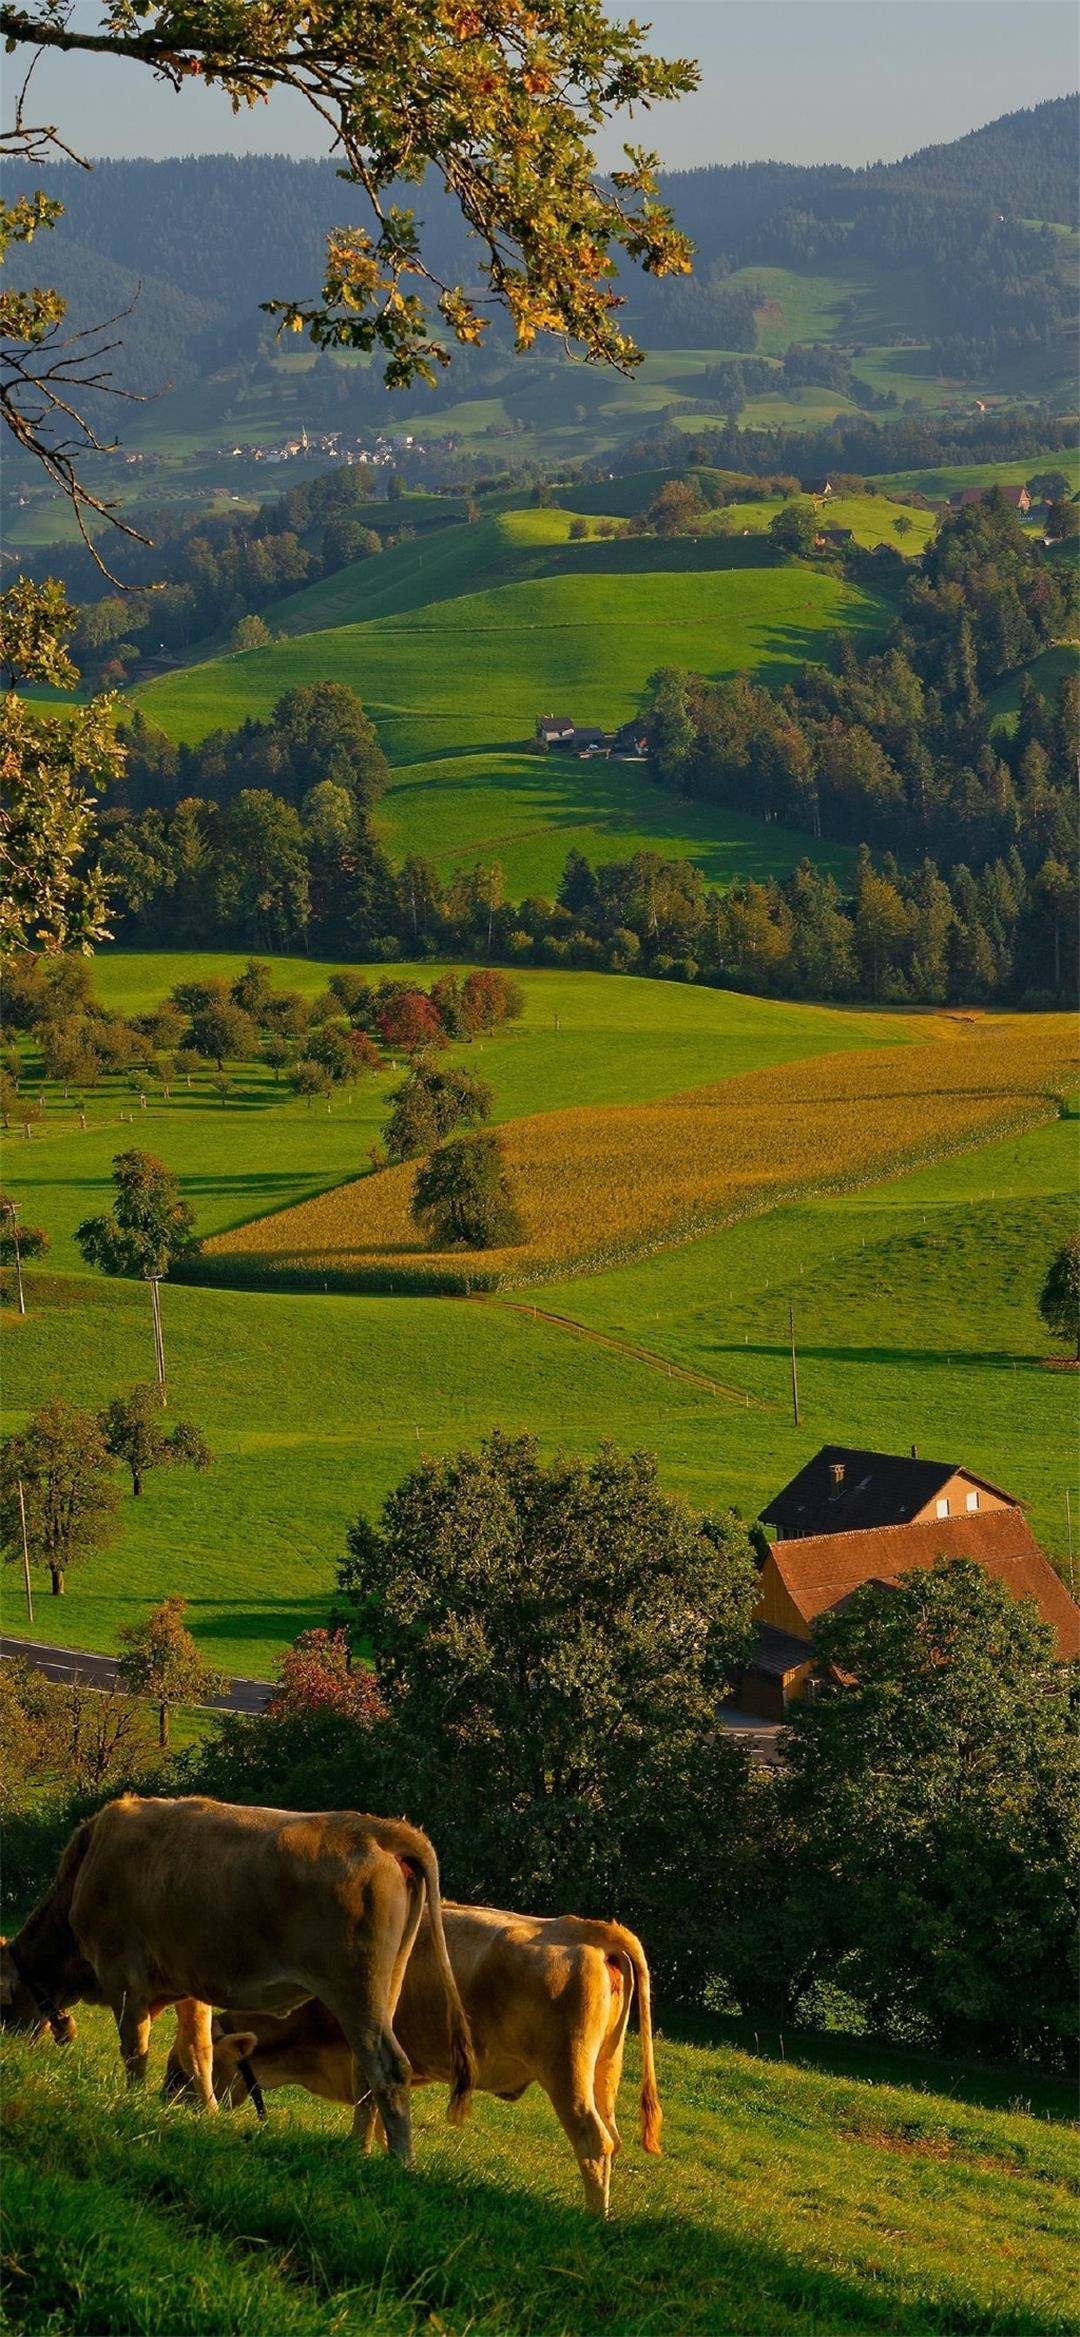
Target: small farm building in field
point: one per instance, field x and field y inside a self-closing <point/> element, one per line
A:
<point x="847" y="1490"/>
<point x="555" y="730"/>
<point x="817" y="1572"/>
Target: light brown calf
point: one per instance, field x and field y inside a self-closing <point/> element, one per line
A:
<point x="159" y="1901"/>
<point x="547" y="1999"/>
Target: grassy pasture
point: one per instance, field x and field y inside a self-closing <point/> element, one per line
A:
<point x="948" y="479"/>
<point x="528" y="811"/>
<point x="595" y="1188"/>
<point x="871" y="518"/>
<point x="584" y="1040"/>
<point x="915" y="1311"/>
<point x="477" y="671"/>
<point x="790" y="2202"/>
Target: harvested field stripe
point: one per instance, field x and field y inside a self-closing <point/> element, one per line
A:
<point x="599" y="1188"/>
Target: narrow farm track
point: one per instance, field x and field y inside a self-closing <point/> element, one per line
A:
<point x="647" y="1355"/>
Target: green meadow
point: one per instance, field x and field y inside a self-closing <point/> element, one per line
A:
<point x="914" y="1303"/>
<point x="950" y="478"/>
<point x="477" y="670"/>
<point x="528" y="811"/>
<point x="806" y="2196"/>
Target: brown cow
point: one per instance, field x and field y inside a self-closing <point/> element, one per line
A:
<point x="547" y="1998"/>
<point x="157" y="1901"/>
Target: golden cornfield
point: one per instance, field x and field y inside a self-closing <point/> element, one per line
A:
<point x="598" y="1187"/>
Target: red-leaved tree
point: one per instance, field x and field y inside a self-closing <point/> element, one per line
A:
<point x="316" y="1677"/>
<point x="408" y="1023"/>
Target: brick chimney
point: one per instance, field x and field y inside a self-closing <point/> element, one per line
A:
<point x="836" y="1472"/>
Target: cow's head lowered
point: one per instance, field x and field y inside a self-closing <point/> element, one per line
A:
<point x="230" y="2082"/>
<point x="26" y="2004"/>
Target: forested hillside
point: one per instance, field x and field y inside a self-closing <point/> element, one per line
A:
<point x="985" y="281"/>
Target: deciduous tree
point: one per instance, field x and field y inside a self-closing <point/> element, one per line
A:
<point x="132" y="1428"/>
<point x="148" y="1230"/>
<point x="1059" y="1298"/>
<point x="430" y="1104"/>
<point x="69" y="1491"/>
<point x="937" y="1791"/>
<point x="161" y="1662"/>
<point x="463" y="1197"/>
<point x="551" y="1642"/>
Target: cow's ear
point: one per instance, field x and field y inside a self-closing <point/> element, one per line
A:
<point x="236" y="2046"/>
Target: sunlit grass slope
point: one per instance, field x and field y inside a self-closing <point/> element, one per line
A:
<point x="790" y="2202"/>
<point x="584" y="1040"/>
<point x="476" y="671"/>
<point x="915" y="1308"/>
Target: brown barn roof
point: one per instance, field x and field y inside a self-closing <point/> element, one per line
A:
<point x="823" y="1570"/>
<point x="877" y="1489"/>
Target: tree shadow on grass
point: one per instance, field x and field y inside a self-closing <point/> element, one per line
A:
<point x="986" y="2085"/>
<point x="281" y="1619"/>
<point x="954" y="1358"/>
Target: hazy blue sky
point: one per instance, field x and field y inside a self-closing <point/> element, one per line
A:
<point x="801" y="80"/>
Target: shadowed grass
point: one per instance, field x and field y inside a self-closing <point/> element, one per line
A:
<point x="787" y="2201"/>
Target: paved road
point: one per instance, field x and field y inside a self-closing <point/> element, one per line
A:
<point x="99" y="1671"/>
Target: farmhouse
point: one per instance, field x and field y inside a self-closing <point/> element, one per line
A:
<point x="897" y="1516"/>
<point x="558" y="730"/>
<point x="1017" y="496"/>
<point x="846" y="1490"/>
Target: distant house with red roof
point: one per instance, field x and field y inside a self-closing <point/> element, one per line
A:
<point x="1017" y="496"/>
<point x="852" y="1517"/>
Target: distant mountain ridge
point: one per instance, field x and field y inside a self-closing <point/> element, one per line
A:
<point x="985" y="285"/>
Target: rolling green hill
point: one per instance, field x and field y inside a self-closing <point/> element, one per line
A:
<point x="455" y="677"/>
<point x="866" y="2193"/>
<point x="477" y="670"/>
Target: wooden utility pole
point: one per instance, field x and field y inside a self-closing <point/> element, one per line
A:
<point x="25" y="1553"/>
<point x="159" y="1342"/>
<point x="12" y="1211"/>
<point x="794" y="1365"/>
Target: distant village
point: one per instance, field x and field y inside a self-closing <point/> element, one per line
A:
<point x="336" y="446"/>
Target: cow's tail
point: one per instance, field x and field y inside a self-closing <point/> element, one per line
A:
<point x="462" y="2056"/>
<point x="652" y="2116"/>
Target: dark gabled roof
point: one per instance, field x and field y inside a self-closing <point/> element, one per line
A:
<point x="556" y="722"/>
<point x="585" y="737"/>
<point x="878" y="1489"/>
<point x="777" y="1653"/>
<point x="821" y="1572"/>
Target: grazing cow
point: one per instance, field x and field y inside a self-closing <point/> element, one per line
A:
<point x="547" y="1999"/>
<point x="161" y="1901"/>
